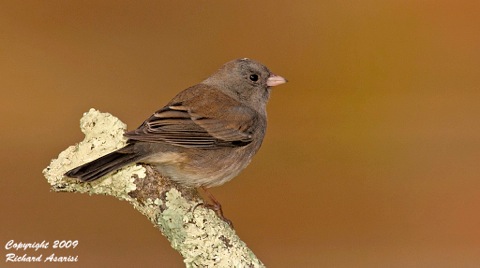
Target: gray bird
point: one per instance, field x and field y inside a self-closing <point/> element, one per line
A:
<point x="205" y="135"/>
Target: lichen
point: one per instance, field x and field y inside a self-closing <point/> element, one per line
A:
<point x="103" y="134"/>
<point x="202" y="238"/>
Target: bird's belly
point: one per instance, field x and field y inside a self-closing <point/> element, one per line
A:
<point x="207" y="168"/>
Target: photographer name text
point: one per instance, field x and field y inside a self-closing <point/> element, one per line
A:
<point x="18" y="251"/>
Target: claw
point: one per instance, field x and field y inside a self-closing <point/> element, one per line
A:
<point x="215" y="206"/>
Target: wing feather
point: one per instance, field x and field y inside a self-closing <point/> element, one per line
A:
<point x="194" y="124"/>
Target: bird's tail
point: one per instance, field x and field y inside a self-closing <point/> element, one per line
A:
<point x="102" y="166"/>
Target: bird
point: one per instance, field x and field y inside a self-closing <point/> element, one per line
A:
<point x="205" y="136"/>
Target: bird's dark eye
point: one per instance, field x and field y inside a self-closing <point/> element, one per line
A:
<point x="253" y="77"/>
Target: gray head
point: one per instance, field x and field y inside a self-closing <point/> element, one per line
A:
<point x="246" y="80"/>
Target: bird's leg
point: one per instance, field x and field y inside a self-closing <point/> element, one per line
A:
<point x="215" y="206"/>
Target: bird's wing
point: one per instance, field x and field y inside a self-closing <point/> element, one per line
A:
<point x="199" y="124"/>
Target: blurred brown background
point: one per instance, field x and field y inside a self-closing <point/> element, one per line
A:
<point x="371" y="157"/>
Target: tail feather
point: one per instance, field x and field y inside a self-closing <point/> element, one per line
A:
<point x="102" y="166"/>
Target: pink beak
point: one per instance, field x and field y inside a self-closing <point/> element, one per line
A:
<point x="275" y="80"/>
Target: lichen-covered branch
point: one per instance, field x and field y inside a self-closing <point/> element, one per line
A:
<point x="194" y="231"/>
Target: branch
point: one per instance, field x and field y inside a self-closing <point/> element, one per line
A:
<point x="194" y="231"/>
